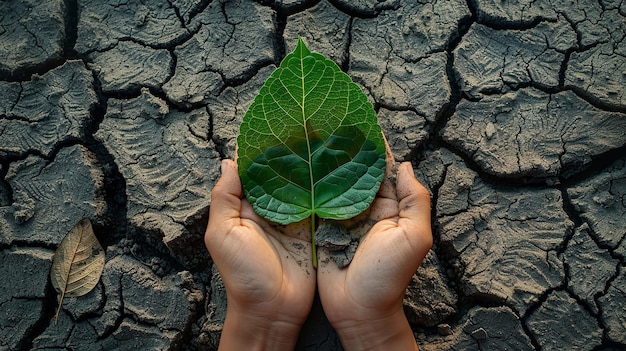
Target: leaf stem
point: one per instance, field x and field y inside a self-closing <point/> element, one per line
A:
<point x="313" y="247"/>
<point x="56" y="316"/>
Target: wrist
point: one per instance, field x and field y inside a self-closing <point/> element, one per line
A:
<point x="243" y="331"/>
<point x="391" y="332"/>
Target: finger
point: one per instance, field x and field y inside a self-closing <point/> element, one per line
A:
<point x="387" y="188"/>
<point x="414" y="204"/>
<point x="226" y="195"/>
<point x="391" y="161"/>
<point x="383" y="208"/>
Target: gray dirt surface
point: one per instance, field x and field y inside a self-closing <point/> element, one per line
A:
<point x="32" y="36"/>
<point x="513" y="114"/>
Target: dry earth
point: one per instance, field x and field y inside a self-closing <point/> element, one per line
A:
<point x="513" y="114"/>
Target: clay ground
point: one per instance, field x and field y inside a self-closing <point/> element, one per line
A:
<point x="513" y="114"/>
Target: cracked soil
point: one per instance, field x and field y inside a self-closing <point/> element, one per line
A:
<point x="512" y="113"/>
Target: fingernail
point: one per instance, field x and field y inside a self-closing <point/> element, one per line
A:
<point x="223" y="166"/>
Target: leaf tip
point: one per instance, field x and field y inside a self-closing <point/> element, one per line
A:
<point x="301" y="48"/>
<point x="84" y="223"/>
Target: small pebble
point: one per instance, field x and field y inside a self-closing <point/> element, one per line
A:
<point x="479" y="334"/>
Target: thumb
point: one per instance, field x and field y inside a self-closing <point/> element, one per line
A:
<point x="414" y="208"/>
<point x="226" y="195"/>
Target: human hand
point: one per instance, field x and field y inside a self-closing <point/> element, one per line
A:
<point x="266" y="269"/>
<point x="363" y="301"/>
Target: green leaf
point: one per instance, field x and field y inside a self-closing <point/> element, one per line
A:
<point x="310" y="144"/>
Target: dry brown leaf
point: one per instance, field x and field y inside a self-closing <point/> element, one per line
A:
<point x="78" y="263"/>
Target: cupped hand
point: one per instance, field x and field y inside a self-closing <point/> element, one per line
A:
<point x="363" y="301"/>
<point x="266" y="269"/>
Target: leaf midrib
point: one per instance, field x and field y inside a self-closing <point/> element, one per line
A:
<point x="310" y="157"/>
<point x="306" y="133"/>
